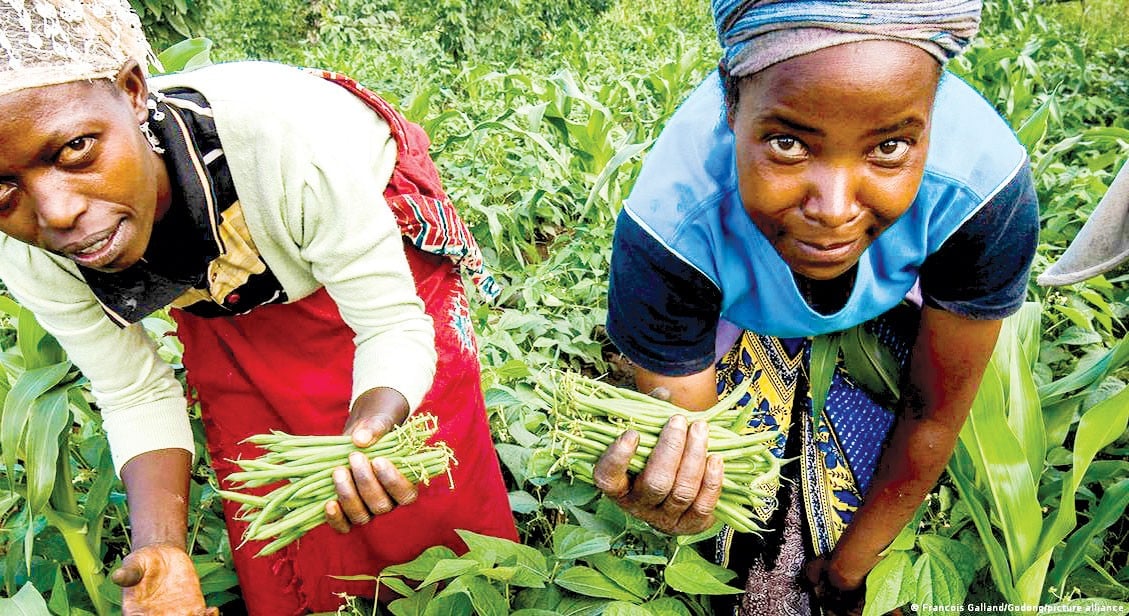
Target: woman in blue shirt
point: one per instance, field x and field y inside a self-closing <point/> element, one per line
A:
<point x="829" y="172"/>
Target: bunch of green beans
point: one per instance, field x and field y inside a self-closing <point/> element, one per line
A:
<point x="306" y="463"/>
<point x="591" y="414"/>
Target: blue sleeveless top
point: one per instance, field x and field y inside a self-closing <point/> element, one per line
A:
<point x="687" y="254"/>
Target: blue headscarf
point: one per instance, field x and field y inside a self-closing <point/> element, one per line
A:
<point x="756" y="34"/>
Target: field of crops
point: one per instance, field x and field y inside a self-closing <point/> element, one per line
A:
<point x="540" y="115"/>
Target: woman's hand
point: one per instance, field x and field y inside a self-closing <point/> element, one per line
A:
<point x="680" y="485"/>
<point x="369" y="488"/>
<point x="837" y="596"/>
<point x="160" y="580"/>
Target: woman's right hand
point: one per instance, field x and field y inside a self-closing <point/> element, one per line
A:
<point x="160" y="580"/>
<point x="678" y="488"/>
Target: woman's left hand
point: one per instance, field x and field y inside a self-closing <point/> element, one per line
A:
<point x="365" y="488"/>
<point x="837" y="596"/>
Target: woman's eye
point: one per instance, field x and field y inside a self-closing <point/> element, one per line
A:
<point x="787" y="148"/>
<point x="7" y="195"/>
<point x="891" y="151"/>
<point x="75" y="151"/>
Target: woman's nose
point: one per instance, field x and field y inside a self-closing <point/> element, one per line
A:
<point x="832" y="199"/>
<point x="57" y="207"/>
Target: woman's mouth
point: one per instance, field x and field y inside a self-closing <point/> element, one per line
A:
<point x="827" y="252"/>
<point x="98" y="250"/>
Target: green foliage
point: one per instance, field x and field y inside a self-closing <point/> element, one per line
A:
<point x="168" y="21"/>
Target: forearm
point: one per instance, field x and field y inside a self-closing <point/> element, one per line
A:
<point x="907" y="470"/>
<point x="156" y="485"/>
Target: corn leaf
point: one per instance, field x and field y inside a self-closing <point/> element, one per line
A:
<point x="1025" y="413"/>
<point x="1098" y="427"/>
<point x="1110" y="509"/>
<point x="824" y="358"/>
<point x="18" y="405"/>
<point x="50" y="415"/>
<point x="961" y="469"/>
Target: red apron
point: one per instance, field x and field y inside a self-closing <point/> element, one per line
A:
<point x="254" y="373"/>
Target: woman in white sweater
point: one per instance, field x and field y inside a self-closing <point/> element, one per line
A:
<point x="296" y="226"/>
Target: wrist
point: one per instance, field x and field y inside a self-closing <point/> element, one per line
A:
<point x="843" y="575"/>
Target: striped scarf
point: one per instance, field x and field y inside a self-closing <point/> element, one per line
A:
<point x="756" y="34"/>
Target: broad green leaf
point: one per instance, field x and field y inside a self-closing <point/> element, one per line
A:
<point x="574" y="541"/>
<point x="449" y="568"/>
<point x="824" y="358"/>
<point x="1110" y="509"/>
<point x="694" y="579"/>
<point x="622" y="608"/>
<point x="871" y="364"/>
<point x="533" y="612"/>
<point x="1025" y="413"/>
<point x="720" y="573"/>
<point x="450" y="603"/>
<point x="414" y="604"/>
<point x="627" y="574"/>
<point x="591" y="583"/>
<point x="18" y="405"/>
<point x="422" y="565"/>
<point x="29" y="334"/>
<point x="50" y="416"/>
<point x="1084" y="377"/>
<point x="523" y="502"/>
<point x="962" y="557"/>
<point x="889" y="585"/>
<point x="26" y="602"/>
<point x="667" y="606"/>
<point x="524" y="556"/>
<point x="486" y="599"/>
<point x="59" y="603"/>
<point x="938" y="581"/>
<point x="593" y="522"/>
<point x="647" y="559"/>
<point x="564" y="493"/>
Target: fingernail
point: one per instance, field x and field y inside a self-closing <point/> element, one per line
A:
<point x="678" y="421"/>
<point x="340" y="474"/>
<point x="700" y="428"/>
<point x="379" y="464"/>
<point x="362" y="435"/>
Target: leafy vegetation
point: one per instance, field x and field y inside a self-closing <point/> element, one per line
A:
<point x="539" y="117"/>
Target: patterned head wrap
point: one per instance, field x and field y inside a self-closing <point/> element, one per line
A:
<point x="48" y="42"/>
<point x="756" y="34"/>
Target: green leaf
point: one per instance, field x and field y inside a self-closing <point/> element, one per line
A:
<point x="18" y="405"/>
<point x="186" y="55"/>
<point x="449" y="568"/>
<point x="523" y="556"/>
<point x="622" y="608"/>
<point x="627" y="574"/>
<point x="26" y="602"/>
<point x="59" y="603"/>
<point x="1110" y="509"/>
<point x="824" y="357"/>
<point x="486" y="599"/>
<point x="571" y="542"/>
<point x="647" y="559"/>
<point x="591" y="583"/>
<point x="50" y="416"/>
<point x="962" y="557"/>
<point x="871" y="364"/>
<point x="667" y="606"/>
<point x="450" y="603"/>
<point x="720" y="573"/>
<point x="414" y="604"/>
<point x="938" y="581"/>
<point x="397" y="585"/>
<point x="1032" y="131"/>
<point x="523" y="502"/>
<point x="577" y="493"/>
<point x="694" y="579"/>
<point x="889" y="585"/>
<point x="422" y="565"/>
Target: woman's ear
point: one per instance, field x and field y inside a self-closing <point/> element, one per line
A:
<point x="131" y="82"/>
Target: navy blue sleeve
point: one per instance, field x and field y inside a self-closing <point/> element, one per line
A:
<point x="981" y="271"/>
<point x="662" y="312"/>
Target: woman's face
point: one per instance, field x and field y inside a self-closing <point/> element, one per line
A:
<point x="77" y="177"/>
<point x="831" y="149"/>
